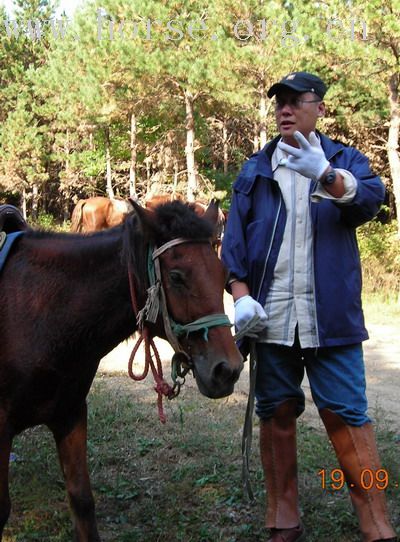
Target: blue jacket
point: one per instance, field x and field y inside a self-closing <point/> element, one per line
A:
<point x="255" y="229"/>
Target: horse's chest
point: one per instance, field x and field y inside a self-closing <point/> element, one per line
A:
<point x="48" y="395"/>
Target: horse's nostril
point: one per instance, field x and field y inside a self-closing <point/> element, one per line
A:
<point x="222" y="371"/>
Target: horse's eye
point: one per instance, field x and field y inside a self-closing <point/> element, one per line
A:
<point x="177" y="278"/>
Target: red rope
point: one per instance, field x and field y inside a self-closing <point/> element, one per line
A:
<point x="162" y="387"/>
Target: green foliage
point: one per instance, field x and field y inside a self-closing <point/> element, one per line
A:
<point x="223" y="185"/>
<point x="380" y="256"/>
<point x="75" y="87"/>
<point x="21" y="152"/>
<point x="47" y="221"/>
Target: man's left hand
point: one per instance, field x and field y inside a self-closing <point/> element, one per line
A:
<point x="309" y="159"/>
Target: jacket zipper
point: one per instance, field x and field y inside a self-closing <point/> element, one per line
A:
<point x="313" y="272"/>
<point x="269" y="248"/>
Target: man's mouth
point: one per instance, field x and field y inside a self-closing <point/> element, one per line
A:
<point x="286" y="124"/>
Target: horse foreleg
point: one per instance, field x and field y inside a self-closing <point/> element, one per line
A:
<point x="72" y="451"/>
<point x="5" y="449"/>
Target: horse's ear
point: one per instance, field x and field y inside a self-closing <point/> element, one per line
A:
<point x="211" y="213"/>
<point x="147" y="219"/>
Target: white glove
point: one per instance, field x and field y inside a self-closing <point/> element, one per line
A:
<point x="309" y="160"/>
<point x="249" y="314"/>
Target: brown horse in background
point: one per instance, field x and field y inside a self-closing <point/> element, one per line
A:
<point x="99" y="213"/>
<point x="158" y="199"/>
<point x="67" y="300"/>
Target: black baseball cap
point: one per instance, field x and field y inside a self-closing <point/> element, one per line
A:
<point x="300" y="82"/>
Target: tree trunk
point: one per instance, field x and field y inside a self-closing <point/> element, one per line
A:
<point x="192" y="187"/>
<point x="35" y="201"/>
<point x="23" y="203"/>
<point x="91" y="148"/>
<point x="109" y="188"/>
<point x="225" y="145"/>
<point x="132" y="168"/>
<point x="393" y="142"/>
<point x="256" y="145"/>
<point x="263" y="115"/>
<point x="176" y="171"/>
<point x="66" y="193"/>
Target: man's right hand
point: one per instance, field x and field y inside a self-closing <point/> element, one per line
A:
<point x="250" y="316"/>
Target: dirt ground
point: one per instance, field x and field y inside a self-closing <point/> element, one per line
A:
<point x="382" y="360"/>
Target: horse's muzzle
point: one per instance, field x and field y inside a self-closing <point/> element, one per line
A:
<point x="218" y="380"/>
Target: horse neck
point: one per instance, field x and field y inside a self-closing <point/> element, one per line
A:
<point x="88" y="274"/>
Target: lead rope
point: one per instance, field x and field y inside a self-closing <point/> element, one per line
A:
<point x="162" y="387"/>
<point x="247" y="434"/>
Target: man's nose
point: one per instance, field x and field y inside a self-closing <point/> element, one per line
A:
<point x="287" y="108"/>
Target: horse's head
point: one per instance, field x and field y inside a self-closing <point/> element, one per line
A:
<point x="193" y="280"/>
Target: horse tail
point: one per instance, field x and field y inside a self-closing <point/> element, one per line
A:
<point x="76" y="219"/>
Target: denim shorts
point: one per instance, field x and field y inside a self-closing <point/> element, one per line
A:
<point x="336" y="375"/>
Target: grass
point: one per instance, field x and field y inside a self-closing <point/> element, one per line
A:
<point x="383" y="309"/>
<point x="177" y="482"/>
<point x="181" y="481"/>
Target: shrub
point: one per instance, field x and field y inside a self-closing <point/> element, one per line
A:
<point x="380" y="258"/>
<point x="47" y="221"/>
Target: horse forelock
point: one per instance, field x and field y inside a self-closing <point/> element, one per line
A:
<point x="166" y="222"/>
<point x="178" y="219"/>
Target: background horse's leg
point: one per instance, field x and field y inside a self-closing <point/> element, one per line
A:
<point x="5" y="449"/>
<point x="70" y="437"/>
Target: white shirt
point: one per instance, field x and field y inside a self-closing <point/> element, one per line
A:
<point x="291" y="297"/>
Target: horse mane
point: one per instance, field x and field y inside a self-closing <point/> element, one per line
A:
<point x="127" y="241"/>
<point x="72" y="245"/>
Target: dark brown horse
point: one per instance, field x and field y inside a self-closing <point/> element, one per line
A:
<point x="98" y="213"/>
<point x="65" y="302"/>
<point x="199" y="208"/>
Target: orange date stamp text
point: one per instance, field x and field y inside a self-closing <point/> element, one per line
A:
<point x="334" y="479"/>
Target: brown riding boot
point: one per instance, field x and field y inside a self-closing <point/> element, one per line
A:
<point x="279" y="461"/>
<point x="356" y="451"/>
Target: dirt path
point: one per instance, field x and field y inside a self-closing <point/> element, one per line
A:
<point x="382" y="360"/>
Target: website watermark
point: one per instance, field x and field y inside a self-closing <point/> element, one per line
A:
<point x="37" y="29"/>
<point x="244" y="30"/>
<point x="108" y="28"/>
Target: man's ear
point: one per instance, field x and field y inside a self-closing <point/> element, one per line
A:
<point x="321" y="109"/>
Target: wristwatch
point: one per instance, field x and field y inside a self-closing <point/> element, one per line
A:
<point x="329" y="178"/>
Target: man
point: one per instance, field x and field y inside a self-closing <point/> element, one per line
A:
<point x="295" y="277"/>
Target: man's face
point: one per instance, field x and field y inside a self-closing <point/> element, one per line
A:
<point x="297" y="111"/>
